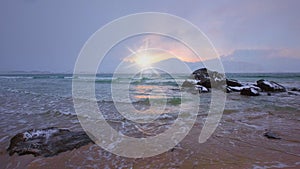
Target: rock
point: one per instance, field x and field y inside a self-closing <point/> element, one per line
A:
<point x="205" y="82"/>
<point x="249" y="92"/>
<point x="228" y="90"/>
<point x="209" y="79"/>
<point x="47" y="142"/>
<point x="189" y="83"/>
<point x="270" y="86"/>
<point x="201" y="74"/>
<point x="271" y="135"/>
<point x="201" y="89"/>
<point x="233" y="83"/>
<point x="239" y="89"/>
<point x="295" y="89"/>
<point x="204" y="79"/>
<point x="235" y="88"/>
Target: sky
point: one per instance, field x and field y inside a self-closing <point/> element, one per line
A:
<point x="249" y="36"/>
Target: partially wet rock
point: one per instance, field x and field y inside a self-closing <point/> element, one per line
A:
<point x="271" y="135"/>
<point x="202" y="80"/>
<point x="228" y="90"/>
<point x="235" y="88"/>
<point x="239" y="89"/>
<point x="249" y="92"/>
<point x="201" y="89"/>
<point x="270" y="86"/>
<point x="201" y="74"/>
<point x="47" y="142"/>
<point x="209" y="79"/>
<point x="205" y="82"/>
<point x="233" y="83"/>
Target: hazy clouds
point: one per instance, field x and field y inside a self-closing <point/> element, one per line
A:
<point x="48" y="35"/>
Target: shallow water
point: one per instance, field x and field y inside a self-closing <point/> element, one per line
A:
<point x="40" y="101"/>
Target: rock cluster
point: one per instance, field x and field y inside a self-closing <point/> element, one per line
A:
<point x="203" y="80"/>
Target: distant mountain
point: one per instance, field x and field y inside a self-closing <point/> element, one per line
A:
<point x="236" y="64"/>
<point x="174" y="65"/>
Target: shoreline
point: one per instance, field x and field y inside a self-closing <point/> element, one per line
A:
<point x="222" y="150"/>
<point x="238" y="142"/>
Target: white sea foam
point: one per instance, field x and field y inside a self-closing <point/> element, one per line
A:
<point x="39" y="133"/>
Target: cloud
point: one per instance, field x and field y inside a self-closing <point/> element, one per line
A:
<point x="262" y="60"/>
<point x="239" y="60"/>
<point x="235" y="25"/>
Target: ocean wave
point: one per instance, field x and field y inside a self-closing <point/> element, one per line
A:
<point x="96" y="79"/>
<point x="16" y="77"/>
<point x="36" y="77"/>
<point x="57" y="112"/>
<point x="49" y="77"/>
<point x="160" y="82"/>
<point x="264" y="75"/>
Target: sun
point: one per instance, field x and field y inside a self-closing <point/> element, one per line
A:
<point x="143" y="60"/>
<point x="146" y="57"/>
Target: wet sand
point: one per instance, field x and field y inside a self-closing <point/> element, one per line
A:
<point x="231" y="146"/>
<point x="238" y="142"/>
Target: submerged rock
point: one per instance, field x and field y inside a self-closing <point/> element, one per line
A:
<point x="295" y="89"/>
<point x="271" y="135"/>
<point x="270" y="86"/>
<point x="249" y="92"/>
<point x="47" y="142"/>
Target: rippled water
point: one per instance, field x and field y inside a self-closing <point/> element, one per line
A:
<point x="40" y="101"/>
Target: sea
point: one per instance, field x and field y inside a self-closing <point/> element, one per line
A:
<point x="37" y="101"/>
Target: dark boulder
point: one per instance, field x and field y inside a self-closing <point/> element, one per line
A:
<point x="249" y="92"/>
<point x="205" y="82"/>
<point x="201" y="74"/>
<point x="47" y="142"/>
<point x="270" y="86"/>
<point x="209" y="79"/>
<point x="233" y="83"/>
